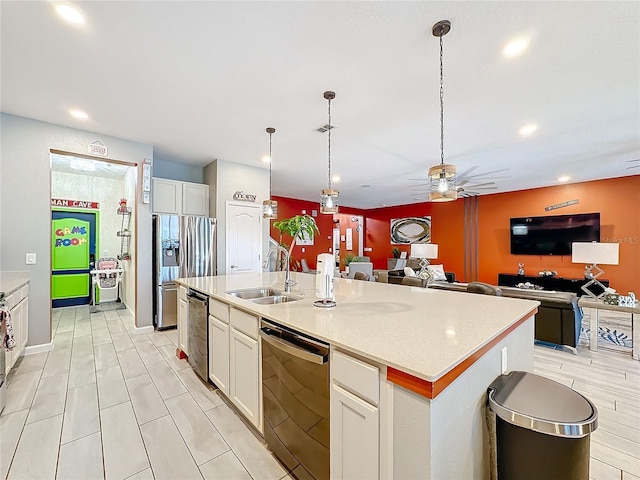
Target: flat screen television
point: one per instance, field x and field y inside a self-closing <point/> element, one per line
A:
<point x="554" y="234"/>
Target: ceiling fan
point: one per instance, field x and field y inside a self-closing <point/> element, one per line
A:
<point x="637" y="165"/>
<point x="465" y="177"/>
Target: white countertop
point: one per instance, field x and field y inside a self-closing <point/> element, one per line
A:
<point x="423" y="332"/>
<point x="11" y="281"/>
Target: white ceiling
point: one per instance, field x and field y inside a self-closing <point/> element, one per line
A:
<point x="202" y="80"/>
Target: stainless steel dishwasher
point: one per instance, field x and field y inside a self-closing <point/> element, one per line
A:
<point x="295" y="389"/>
<point x="197" y="340"/>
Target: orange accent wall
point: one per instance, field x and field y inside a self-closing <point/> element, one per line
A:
<point x="617" y="200"/>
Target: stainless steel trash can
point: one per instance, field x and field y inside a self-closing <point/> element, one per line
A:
<point x="542" y="428"/>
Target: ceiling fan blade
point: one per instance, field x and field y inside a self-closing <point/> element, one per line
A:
<point x="481" y="184"/>
<point x="635" y="160"/>
<point x="464" y="174"/>
<point x="419" y="185"/>
<point x="634" y="166"/>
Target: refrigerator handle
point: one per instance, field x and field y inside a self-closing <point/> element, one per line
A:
<point x="211" y="252"/>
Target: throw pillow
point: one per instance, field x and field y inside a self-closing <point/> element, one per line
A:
<point x="409" y="272"/>
<point x="438" y="273"/>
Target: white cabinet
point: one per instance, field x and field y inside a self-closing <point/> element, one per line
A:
<point x="354" y="436"/>
<point x="354" y="418"/>
<point x="180" y="198"/>
<point x="167" y="196"/>
<point x="195" y="199"/>
<point x="183" y="320"/>
<point x="244" y="365"/>
<point x="219" y="353"/>
<point x="244" y="376"/>
<point x="18" y="304"/>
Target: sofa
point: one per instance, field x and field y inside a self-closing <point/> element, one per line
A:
<point x="558" y="321"/>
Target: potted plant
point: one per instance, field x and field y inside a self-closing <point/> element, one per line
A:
<point x="348" y="258"/>
<point x="296" y="227"/>
<point x="396" y="252"/>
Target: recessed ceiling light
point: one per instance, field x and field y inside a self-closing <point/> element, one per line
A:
<point x="266" y="159"/>
<point x="515" y="47"/>
<point x="528" y="129"/>
<point x="79" y="114"/>
<point x="335" y="178"/>
<point x="564" y="178"/>
<point x="365" y="186"/>
<point x="70" y="14"/>
<point x="383" y="204"/>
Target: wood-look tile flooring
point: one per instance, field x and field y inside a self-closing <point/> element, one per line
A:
<point x="611" y="380"/>
<point x="107" y="403"/>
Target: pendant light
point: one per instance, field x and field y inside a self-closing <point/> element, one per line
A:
<point x="270" y="207"/>
<point x="442" y="178"/>
<point x="329" y="196"/>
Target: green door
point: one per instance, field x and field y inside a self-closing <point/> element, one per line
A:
<point x="72" y="251"/>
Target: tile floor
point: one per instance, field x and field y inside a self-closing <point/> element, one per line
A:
<point x="107" y="403"/>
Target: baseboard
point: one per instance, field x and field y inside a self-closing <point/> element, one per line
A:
<point x="141" y="330"/>
<point x="33" y="349"/>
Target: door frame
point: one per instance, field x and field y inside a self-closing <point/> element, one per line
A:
<point x="136" y="200"/>
<point x="258" y="208"/>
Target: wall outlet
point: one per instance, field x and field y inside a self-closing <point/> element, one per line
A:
<point x="303" y="250"/>
<point x="503" y="368"/>
<point x="30" y="259"/>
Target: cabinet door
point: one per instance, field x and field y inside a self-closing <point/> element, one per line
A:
<point x="24" y="325"/>
<point x="167" y="196"/>
<point x="183" y="325"/>
<point x="219" y="354"/>
<point x="354" y="436"/>
<point x="195" y="199"/>
<point x="244" y="376"/>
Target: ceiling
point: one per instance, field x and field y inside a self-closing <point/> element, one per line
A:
<point x="202" y="80"/>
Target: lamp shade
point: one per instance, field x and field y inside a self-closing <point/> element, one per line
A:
<point x="594" y="252"/>
<point x="424" y="250"/>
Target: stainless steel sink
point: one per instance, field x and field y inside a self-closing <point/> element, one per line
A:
<point x="251" y="293"/>
<point x="275" y="299"/>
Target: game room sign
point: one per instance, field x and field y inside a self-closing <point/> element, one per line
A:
<point x="61" y="202"/>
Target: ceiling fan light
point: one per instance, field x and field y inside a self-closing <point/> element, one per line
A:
<point x="447" y="196"/>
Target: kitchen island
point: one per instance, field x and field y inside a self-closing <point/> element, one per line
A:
<point x="435" y="351"/>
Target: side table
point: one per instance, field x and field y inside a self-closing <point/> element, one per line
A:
<point x="597" y="305"/>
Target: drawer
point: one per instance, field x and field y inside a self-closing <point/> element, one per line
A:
<point x="11" y="301"/>
<point x="244" y="322"/>
<point x="219" y="310"/>
<point x="356" y="376"/>
<point x="182" y="292"/>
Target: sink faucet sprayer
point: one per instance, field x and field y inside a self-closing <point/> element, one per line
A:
<point x="288" y="283"/>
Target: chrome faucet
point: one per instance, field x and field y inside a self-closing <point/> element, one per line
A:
<point x="288" y="283"/>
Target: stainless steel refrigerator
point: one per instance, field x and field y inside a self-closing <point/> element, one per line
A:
<point x="183" y="246"/>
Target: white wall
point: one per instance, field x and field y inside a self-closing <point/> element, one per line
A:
<point x="130" y="277"/>
<point x="25" y="209"/>
<point x="224" y="179"/>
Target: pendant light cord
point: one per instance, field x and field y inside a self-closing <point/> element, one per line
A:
<point x="441" y="107"/>
<point x="329" y="136"/>
<point x="270" y="162"/>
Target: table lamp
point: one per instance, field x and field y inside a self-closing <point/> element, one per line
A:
<point x="594" y="253"/>
<point x="424" y="251"/>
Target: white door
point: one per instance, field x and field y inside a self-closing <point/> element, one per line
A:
<point x="244" y="238"/>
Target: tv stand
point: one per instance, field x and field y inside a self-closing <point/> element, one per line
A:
<point x="559" y="284"/>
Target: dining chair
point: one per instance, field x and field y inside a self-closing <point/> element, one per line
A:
<point x="483" y="288"/>
<point x="361" y="276"/>
<point x="414" y="281"/>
